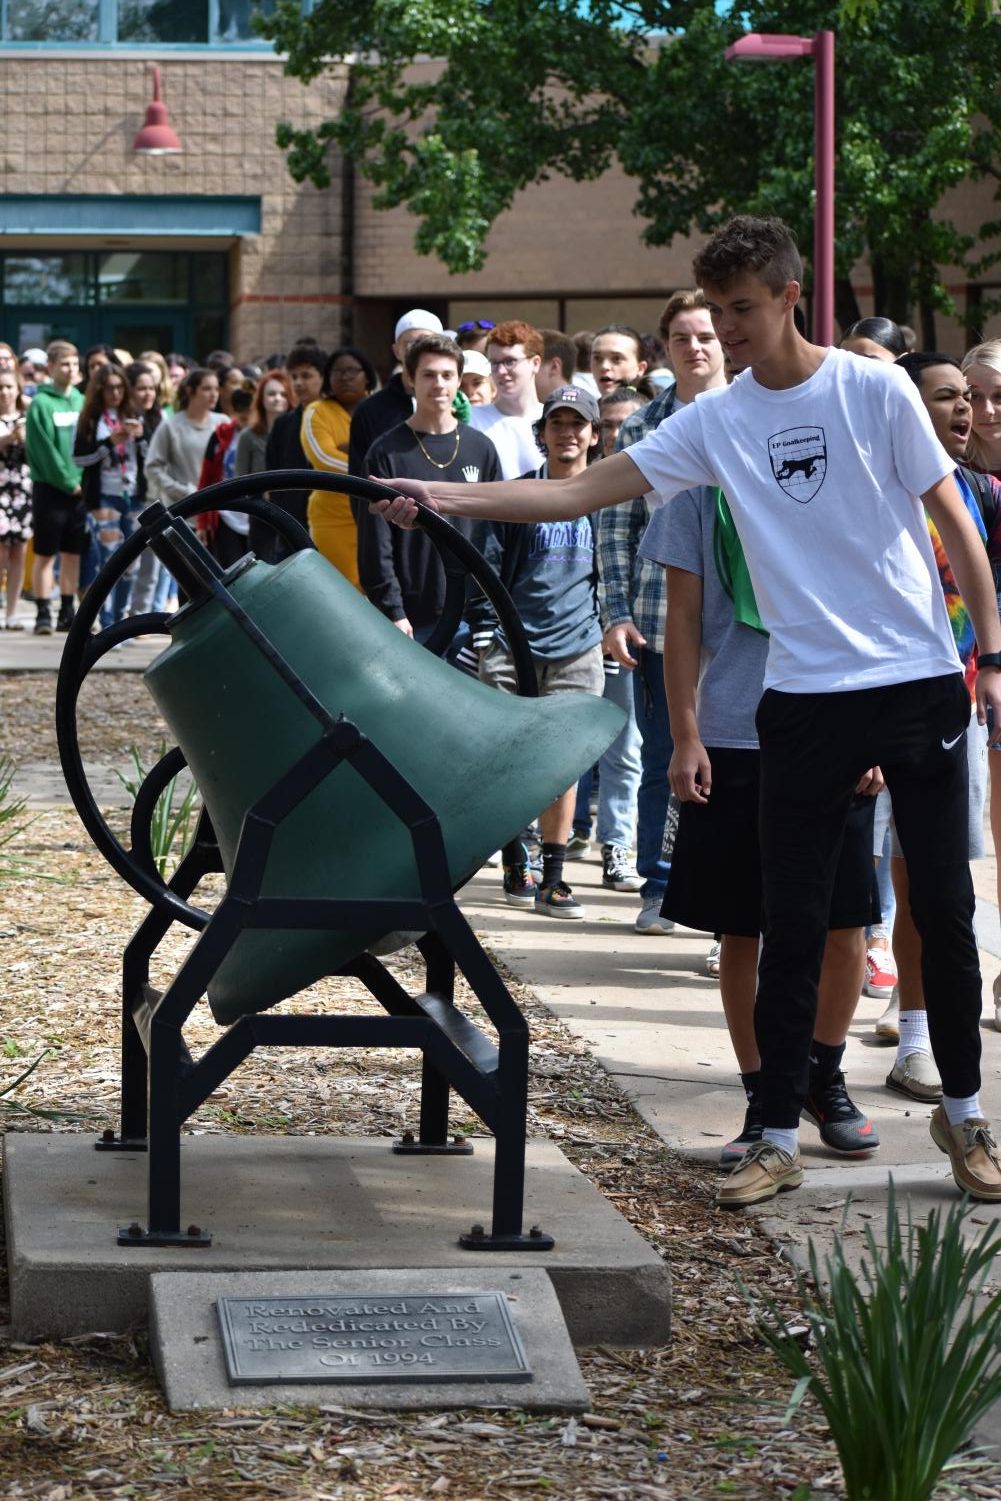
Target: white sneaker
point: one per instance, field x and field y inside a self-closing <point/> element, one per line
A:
<point x="650" y="920"/>
<point x="712" y="959"/>
<point x="888" y="1025"/>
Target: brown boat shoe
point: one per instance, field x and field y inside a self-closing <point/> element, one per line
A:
<point x="973" y="1153"/>
<point x="765" y="1171"/>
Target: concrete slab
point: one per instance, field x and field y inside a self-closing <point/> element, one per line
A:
<point x="42" y="784"/>
<point x="187" y="1350"/>
<point x="274" y="1203"/>
<point x="21" y="651"/>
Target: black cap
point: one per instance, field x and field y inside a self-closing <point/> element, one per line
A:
<point x="574" y="397"/>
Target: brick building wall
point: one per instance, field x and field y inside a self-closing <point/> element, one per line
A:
<point x="566" y="254"/>
<point x="69" y="125"/>
<point x="570" y="255"/>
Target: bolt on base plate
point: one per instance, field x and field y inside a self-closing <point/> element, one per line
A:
<point x="109" y="1142"/>
<point x="411" y="1146"/>
<point x="135" y="1235"/>
<point x="479" y="1240"/>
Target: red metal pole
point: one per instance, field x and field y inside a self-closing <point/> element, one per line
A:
<point x="823" y="224"/>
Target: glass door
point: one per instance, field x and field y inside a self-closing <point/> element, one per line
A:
<point x="133" y="299"/>
<point x="137" y="329"/>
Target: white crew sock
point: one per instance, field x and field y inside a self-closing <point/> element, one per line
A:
<point x="787" y="1140"/>
<point x="914" y="1037"/>
<point x="957" y="1111"/>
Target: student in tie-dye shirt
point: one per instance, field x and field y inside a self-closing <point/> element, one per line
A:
<point x="982" y="368"/>
<point x="944" y="391"/>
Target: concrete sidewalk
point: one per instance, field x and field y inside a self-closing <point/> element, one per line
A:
<point x="23" y="651"/>
<point x="646" y="1009"/>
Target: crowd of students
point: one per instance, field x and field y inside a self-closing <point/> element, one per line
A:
<point x="832" y="622"/>
<point x="665" y="533"/>
<point x="87" y="447"/>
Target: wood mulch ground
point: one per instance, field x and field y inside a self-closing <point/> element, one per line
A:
<point x="116" y="713"/>
<point x="702" y="1418"/>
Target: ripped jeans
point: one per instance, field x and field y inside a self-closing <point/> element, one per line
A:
<point x="114" y="519"/>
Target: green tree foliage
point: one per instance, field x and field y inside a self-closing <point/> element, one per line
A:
<point x="527" y="89"/>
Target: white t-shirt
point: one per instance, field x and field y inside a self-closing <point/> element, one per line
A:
<point x="512" y="437"/>
<point x="822" y="481"/>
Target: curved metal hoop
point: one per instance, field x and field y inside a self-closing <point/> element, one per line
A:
<point x="82" y="651"/>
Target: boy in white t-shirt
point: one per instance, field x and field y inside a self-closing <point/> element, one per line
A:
<point x="828" y="462"/>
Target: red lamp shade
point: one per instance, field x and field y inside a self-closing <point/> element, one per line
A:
<point x="157" y="136"/>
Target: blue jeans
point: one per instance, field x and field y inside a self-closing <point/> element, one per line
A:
<point x="108" y="532"/>
<point x="656" y="749"/>
<point x="619" y="768"/>
<point x="582" y="807"/>
<point x="887" y="898"/>
<point x="164" y="588"/>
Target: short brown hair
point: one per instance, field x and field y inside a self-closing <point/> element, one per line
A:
<point x="681" y="302"/>
<point x="517" y="332"/>
<point x="582" y="341"/>
<point x="58" y="347"/>
<point x="765" y="247"/>
<point x="432" y="344"/>
<point x="557" y="345"/>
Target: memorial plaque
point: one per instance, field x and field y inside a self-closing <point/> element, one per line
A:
<point x="384" y="1337"/>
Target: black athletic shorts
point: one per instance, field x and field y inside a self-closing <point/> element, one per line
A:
<point x="715" y="880"/>
<point x="59" y="521"/>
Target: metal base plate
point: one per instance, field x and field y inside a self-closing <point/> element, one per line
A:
<point x="478" y="1240"/>
<point x="135" y="1235"/>
<point x="459" y="1146"/>
<point x="109" y="1142"/>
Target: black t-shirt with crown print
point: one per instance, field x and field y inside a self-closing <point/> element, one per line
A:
<point x="401" y="571"/>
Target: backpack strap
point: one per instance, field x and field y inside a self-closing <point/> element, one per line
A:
<point x="984" y="493"/>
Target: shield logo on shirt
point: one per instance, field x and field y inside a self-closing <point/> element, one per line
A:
<point x="799" y="461"/>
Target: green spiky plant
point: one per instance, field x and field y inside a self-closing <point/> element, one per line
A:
<point x="907" y="1351"/>
<point x="175" y="817"/>
<point x="35" y="1110"/>
<point x="12" y="823"/>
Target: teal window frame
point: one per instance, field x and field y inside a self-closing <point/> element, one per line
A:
<point x="98" y="313"/>
<point x="107" y="35"/>
<point x="160" y="215"/>
<point x="91" y="258"/>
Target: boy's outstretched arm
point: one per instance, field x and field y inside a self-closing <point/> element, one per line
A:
<point x="605" y="484"/>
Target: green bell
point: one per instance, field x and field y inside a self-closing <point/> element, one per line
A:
<point x="486" y="762"/>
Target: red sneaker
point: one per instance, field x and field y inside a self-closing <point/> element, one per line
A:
<point x="880" y="975"/>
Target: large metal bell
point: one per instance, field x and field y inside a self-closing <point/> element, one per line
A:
<point x="486" y="762"/>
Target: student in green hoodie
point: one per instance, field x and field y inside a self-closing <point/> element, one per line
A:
<point x="59" y="515"/>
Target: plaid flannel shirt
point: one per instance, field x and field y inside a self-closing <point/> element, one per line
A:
<point x="631" y="587"/>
